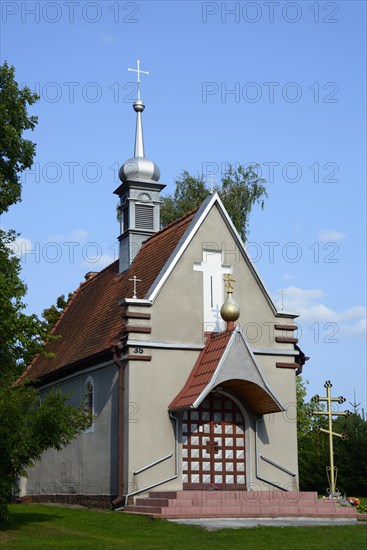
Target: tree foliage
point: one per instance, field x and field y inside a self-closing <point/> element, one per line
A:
<point x="28" y="426"/>
<point x="16" y="152"/>
<point x="52" y="314"/>
<point x="240" y="190"/>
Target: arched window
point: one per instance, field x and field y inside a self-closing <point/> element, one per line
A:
<point x="89" y="402"/>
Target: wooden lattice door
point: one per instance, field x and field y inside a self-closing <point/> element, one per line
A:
<point x="213" y="445"/>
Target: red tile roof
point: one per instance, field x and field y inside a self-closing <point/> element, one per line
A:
<point x="203" y="370"/>
<point x="92" y="322"/>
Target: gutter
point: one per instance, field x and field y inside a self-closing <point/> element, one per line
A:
<point x="120" y="426"/>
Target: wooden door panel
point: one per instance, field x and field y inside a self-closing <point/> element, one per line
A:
<point x="213" y="445"/>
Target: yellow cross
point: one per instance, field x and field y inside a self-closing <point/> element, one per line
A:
<point x="229" y="284"/>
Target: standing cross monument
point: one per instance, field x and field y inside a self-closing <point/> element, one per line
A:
<point x="331" y="470"/>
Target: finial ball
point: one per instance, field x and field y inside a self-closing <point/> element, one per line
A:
<point x="138" y="106"/>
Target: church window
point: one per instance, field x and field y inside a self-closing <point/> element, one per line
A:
<point x="89" y="402"/>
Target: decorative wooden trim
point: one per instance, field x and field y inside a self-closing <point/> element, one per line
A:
<point x="286" y="340"/>
<point x="135" y="315"/>
<point x="286" y="327"/>
<point x="281" y="365"/>
<point x="133" y="328"/>
<point x="133" y="357"/>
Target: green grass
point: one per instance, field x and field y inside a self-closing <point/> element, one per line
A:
<point x="43" y="527"/>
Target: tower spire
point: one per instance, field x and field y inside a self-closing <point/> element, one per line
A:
<point x="139" y="107"/>
<point x="139" y="192"/>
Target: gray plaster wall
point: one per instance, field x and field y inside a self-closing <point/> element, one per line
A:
<point x="89" y="464"/>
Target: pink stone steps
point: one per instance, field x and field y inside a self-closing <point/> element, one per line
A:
<point x="236" y="504"/>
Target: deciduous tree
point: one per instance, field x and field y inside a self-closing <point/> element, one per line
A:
<point x="240" y="189"/>
<point x="28" y="426"/>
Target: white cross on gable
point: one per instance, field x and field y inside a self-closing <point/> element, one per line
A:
<point x="210" y="179"/>
<point x="213" y="270"/>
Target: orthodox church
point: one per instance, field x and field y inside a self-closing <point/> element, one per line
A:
<point x="185" y="365"/>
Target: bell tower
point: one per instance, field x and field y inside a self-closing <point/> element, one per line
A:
<point x="139" y="193"/>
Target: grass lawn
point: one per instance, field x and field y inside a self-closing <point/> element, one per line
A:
<point x="43" y="527"/>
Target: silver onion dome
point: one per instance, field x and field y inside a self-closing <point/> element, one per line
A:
<point x="139" y="167"/>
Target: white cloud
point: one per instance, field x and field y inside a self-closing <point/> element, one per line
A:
<point x="21" y="246"/>
<point x="106" y="37"/>
<point x="288" y="277"/>
<point x="76" y="235"/>
<point x="328" y="235"/>
<point x="308" y="303"/>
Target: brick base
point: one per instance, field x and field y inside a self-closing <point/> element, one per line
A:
<point x="90" y="501"/>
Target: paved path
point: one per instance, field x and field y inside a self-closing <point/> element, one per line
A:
<point x="235" y="523"/>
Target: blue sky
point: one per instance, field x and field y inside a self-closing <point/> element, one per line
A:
<point x="277" y="83"/>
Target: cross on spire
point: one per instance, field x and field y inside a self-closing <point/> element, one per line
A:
<point x="135" y="280"/>
<point x="229" y="282"/>
<point x="283" y="293"/>
<point x="139" y="71"/>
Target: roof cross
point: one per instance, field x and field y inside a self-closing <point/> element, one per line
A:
<point x="283" y="293"/>
<point x="135" y="280"/>
<point x="210" y="179"/>
<point x="229" y="282"/>
<point x="139" y="71"/>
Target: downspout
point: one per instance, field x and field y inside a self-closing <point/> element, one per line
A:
<point x="120" y="426"/>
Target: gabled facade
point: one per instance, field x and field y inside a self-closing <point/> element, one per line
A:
<point x="180" y="398"/>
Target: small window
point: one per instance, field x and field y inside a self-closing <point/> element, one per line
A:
<point x="89" y="402"/>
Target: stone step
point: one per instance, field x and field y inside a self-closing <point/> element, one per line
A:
<point x="161" y="502"/>
<point x="143" y="509"/>
<point x="196" y="504"/>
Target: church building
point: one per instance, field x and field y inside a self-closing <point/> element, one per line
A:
<point x="185" y="364"/>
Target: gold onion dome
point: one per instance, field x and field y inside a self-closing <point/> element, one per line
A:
<point x="230" y="310"/>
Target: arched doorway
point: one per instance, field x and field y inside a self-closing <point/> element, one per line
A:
<point x="213" y="445"/>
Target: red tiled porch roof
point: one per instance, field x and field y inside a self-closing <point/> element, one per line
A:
<point x="93" y="322"/>
<point x="203" y="370"/>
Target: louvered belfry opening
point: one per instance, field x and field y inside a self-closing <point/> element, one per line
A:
<point x="144" y="216"/>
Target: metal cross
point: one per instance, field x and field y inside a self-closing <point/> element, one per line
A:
<point x="283" y="293"/>
<point x="229" y="282"/>
<point x="139" y="73"/>
<point x="135" y="280"/>
<point x="332" y="470"/>
<point x="211" y="180"/>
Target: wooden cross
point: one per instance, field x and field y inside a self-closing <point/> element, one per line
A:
<point x="229" y="282"/>
<point x="135" y="280"/>
<point x="212" y="447"/>
<point x="330" y="470"/>
<point x="210" y="179"/>
<point x="139" y="73"/>
<point x="283" y="293"/>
